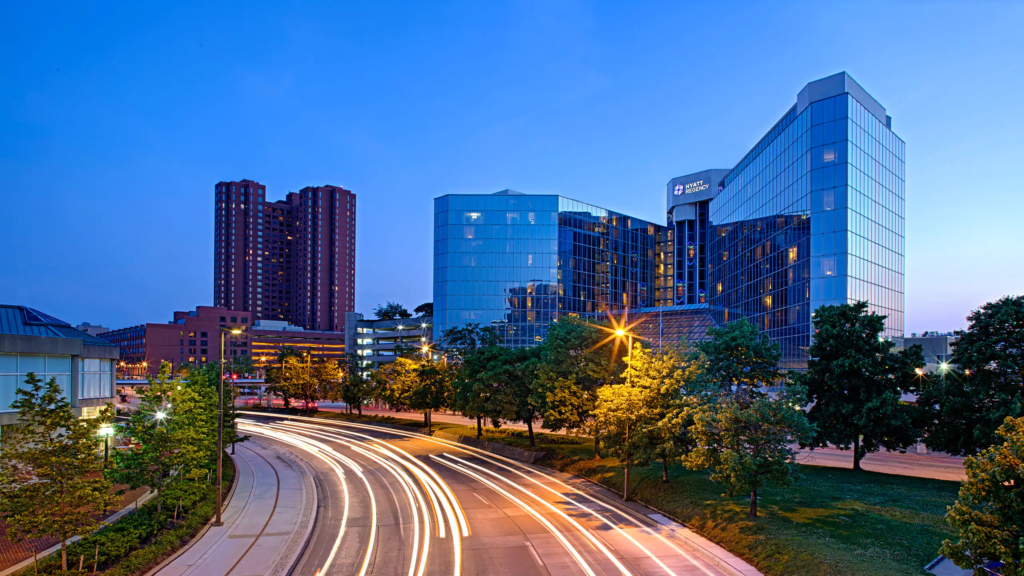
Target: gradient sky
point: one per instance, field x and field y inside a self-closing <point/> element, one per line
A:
<point x="116" y="122"/>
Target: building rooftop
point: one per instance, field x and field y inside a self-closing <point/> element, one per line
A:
<point x="25" y="321"/>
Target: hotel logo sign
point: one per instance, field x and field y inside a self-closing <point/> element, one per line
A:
<point x="691" y="187"/>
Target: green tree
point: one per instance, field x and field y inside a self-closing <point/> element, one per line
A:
<point x="989" y="512"/>
<point x="965" y="406"/>
<point x="394" y="381"/>
<point x="210" y="373"/>
<point x="512" y="376"/>
<point x="50" y="484"/>
<point x="747" y="441"/>
<point x="391" y="311"/>
<point x="470" y="349"/>
<point x="424" y="310"/>
<point x="310" y="380"/>
<point x="356" y="388"/>
<point x="432" y="388"/>
<point x="739" y="357"/>
<point x="275" y="377"/>
<point x="175" y="428"/>
<point x="642" y="418"/>
<point x="674" y="374"/>
<point x="241" y="366"/>
<point x="576" y="359"/>
<point x="855" y="380"/>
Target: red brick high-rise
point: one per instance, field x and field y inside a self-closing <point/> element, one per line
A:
<point x="292" y="260"/>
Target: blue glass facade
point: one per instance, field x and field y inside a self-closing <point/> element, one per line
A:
<point x="812" y="215"/>
<point x="517" y="262"/>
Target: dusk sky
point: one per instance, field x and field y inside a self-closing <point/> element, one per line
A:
<point x="116" y="122"/>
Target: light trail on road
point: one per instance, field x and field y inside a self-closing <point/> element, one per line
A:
<point x="419" y="466"/>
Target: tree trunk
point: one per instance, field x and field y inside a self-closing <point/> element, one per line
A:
<point x="529" y="427"/>
<point x="233" y="447"/>
<point x="597" y="446"/>
<point x="625" y="485"/>
<point x="426" y="420"/>
<point x="430" y="422"/>
<point x="856" y="452"/>
<point x="479" y="426"/>
<point x="63" y="555"/>
<point x="664" y="469"/>
<point x="753" y="503"/>
<point x="359" y="407"/>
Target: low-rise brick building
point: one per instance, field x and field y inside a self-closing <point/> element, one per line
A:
<point x="194" y="338"/>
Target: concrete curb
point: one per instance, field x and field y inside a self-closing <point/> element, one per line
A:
<point x="203" y="530"/>
<point x="109" y="520"/>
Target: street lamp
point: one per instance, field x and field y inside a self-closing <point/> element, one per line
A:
<point x="220" y="423"/>
<point x="629" y="355"/>
<point x="106" y="431"/>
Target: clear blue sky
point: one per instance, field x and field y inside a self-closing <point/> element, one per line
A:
<point x="116" y="121"/>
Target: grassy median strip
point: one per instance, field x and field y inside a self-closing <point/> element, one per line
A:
<point x="832" y="522"/>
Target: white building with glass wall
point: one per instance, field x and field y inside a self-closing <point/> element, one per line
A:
<point x="31" y="341"/>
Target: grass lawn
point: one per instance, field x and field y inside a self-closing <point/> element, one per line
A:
<point x="831" y="522"/>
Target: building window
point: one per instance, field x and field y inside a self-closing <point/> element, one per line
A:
<point x="94" y="378"/>
<point x="14" y="368"/>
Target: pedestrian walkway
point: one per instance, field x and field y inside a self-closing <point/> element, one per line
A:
<point x="266" y="523"/>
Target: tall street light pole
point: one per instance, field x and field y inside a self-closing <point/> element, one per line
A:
<point x="620" y="333"/>
<point x="220" y="424"/>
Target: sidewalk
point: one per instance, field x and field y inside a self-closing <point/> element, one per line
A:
<point x="266" y="523"/>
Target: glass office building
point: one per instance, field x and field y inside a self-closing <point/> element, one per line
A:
<point x="812" y="215"/>
<point x="517" y="262"/>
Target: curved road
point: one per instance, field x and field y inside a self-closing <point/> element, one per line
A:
<point x="399" y="503"/>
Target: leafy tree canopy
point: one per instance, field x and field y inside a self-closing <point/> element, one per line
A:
<point x="424" y="310"/>
<point x="855" y="380"/>
<point x="966" y="405"/>
<point x="747" y="441"/>
<point x="49" y="486"/>
<point x="740" y="357"/>
<point x="989" y="512"/>
<point x="391" y="311"/>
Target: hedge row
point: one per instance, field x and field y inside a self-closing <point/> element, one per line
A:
<point x="141" y="539"/>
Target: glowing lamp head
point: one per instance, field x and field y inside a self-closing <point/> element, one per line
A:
<point x="236" y="330"/>
<point x="160" y="415"/>
<point x="918" y="371"/>
<point x="944" y="366"/>
<point x="620" y="332"/>
<point x="106" y="431"/>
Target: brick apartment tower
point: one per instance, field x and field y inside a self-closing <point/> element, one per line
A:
<point x="292" y="260"/>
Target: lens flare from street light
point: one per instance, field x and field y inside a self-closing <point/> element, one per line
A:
<point x="160" y="415"/>
<point x="106" y="431"/>
<point x="919" y="371"/>
<point x="620" y="332"/>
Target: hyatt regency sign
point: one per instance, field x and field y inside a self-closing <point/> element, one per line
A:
<point x="691" y="187"/>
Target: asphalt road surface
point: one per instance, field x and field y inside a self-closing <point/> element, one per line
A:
<point x="399" y="503"/>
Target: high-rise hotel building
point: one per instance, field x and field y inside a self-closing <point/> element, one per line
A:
<point x="291" y="260"/>
<point x="812" y="215"/>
